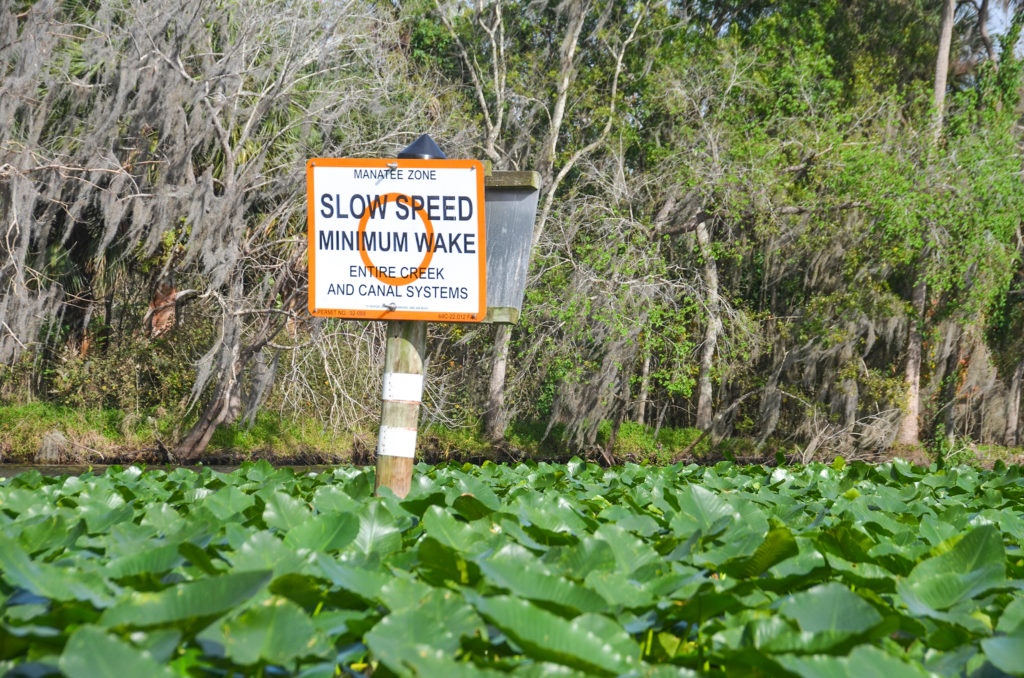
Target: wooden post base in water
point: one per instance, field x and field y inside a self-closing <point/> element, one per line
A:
<point x="394" y="473"/>
<point x="403" y="390"/>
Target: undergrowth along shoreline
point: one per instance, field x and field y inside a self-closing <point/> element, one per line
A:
<point x="104" y="436"/>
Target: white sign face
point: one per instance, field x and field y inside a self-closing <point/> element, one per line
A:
<point x="396" y="239"/>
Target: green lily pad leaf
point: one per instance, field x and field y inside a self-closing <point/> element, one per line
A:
<point x="201" y="560"/>
<point x="394" y="591"/>
<point x="953" y="662"/>
<point x="547" y="670"/>
<point x="329" y="498"/>
<point x="23" y="503"/>
<point x="864" y="574"/>
<point x="344" y="624"/>
<point x="99" y="516"/>
<point x="701" y="509"/>
<point x="284" y="512"/>
<point x="163" y="517"/>
<point x="1006" y="652"/>
<point x="275" y="630"/>
<point x="421" y="640"/>
<point x="401" y="591"/>
<point x="199" y="598"/>
<point x="469" y="539"/>
<point x="974" y="564"/>
<point x="799" y="566"/>
<point x="664" y="671"/>
<point x="511" y="527"/>
<point x="154" y="560"/>
<point x="778" y="545"/>
<point x="327" y="532"/>
<point x="378" y="531"/>
<point x="439" y="564"/>
<point x="470" y="508"/>
<point x="518" y="571"/>
<point x="360" y="581"/>
<point x="161" y="644"/>
<point x="580" y="559"/>
<point x="1012" y="617"/>
<point x="862" y="661"/>
<point x="50" y="532"/>
<point x="264" y="551"/>
<point x="411" y="660"/>
<point x="830" y="607"/>
<point x="589" y="642"/>
<point x="49" y="581"/>
<point x="478" y="490"/>
<point x="738" y="546"/>
<point x="776" y="635"/>
<point x="553" y="513"/>
<point x="93" y="653"/>
<point x="227" y="502"/>
<point x="619" y="590"/>
<point x="638" y="523"/>
<point x="630" y="553"/>
<point x="439" y="619"/>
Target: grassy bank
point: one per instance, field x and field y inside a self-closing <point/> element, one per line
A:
<point x="98" y="435"/>
<point x="95" y="435"/>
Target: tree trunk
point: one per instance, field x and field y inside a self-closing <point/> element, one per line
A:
<point x="986" y="39"/>
<point x="942" y="66"/>
<point x="771" y="399"/>
<point x="1013" y="406"/>
<point x="495" y="415"/>
<point x="576" y="12"/>
<point x="711" y="330"/>
<point x="910" y="425"/>
<point x="608" y="452"/>
<point x="950" y="376"/>
<point x="195" y="441"/>
<point x="645" y="386"/>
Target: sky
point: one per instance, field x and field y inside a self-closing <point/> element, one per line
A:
<point x="999" y="21"/>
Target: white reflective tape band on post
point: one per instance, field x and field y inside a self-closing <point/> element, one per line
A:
<point x="403" y="386"/>
<point x="396" y="442"/>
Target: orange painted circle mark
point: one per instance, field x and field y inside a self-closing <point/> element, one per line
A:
<point x="374" y="271"/>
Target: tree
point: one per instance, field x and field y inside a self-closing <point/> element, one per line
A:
<point x="176" y="144"/>
<point x="564" y="36"/>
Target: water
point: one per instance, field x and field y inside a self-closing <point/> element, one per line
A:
<point x="11" y="470"/>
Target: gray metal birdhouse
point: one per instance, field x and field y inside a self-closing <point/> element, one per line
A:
<point x="510" y="200"/>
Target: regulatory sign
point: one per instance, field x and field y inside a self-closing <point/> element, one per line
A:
<point x="396" y="239"/>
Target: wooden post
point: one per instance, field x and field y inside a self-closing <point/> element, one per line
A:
<point x="402" y="393"/>
<point x="340" y="295"/>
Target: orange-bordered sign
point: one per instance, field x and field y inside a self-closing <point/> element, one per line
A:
<point x="396" y="239"/>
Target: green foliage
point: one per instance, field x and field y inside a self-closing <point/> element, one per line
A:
<point x="272" y="433"/>
<point x="535" y="440"/>
<point x="98" y="433"/>
<point x="127" y="373"/>
<point x="847" y="569"/>
<point x="22" y="427"/>
<point x="450" y="444"/>
<point x="637" y="443"/>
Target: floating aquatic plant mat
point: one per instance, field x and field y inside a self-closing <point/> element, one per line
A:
<point x="529" y="570"/>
